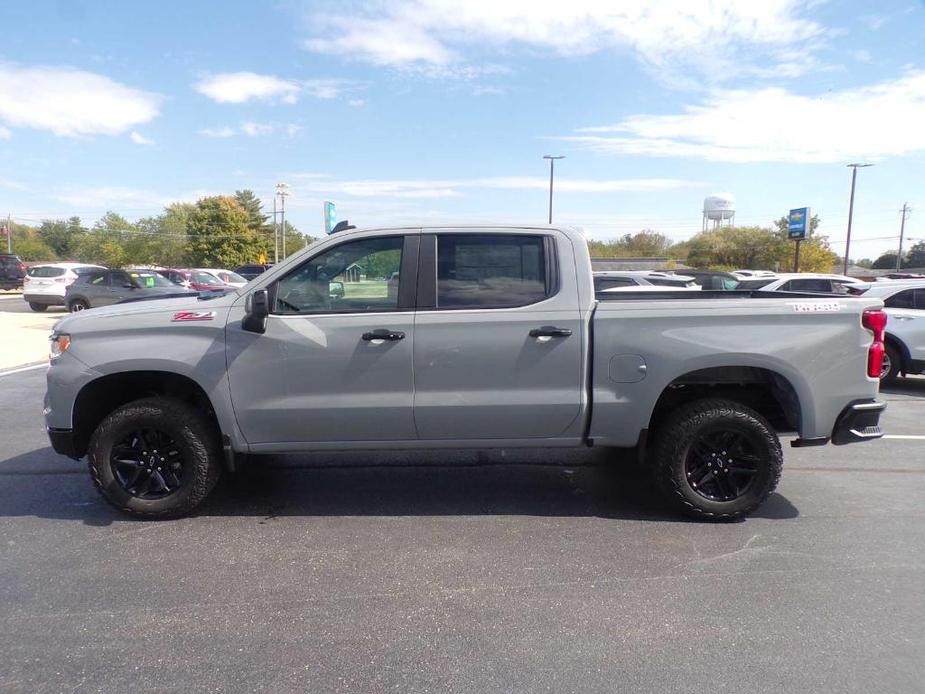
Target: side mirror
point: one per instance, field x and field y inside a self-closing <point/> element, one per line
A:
<point x="257" y="308"/>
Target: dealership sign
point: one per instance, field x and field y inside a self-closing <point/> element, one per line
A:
<point x="798" y="223"/>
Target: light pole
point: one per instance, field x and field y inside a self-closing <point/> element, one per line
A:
<point x="854" y="177"/>
<point x="552" y="164"/>
<point x="275" y="232"/>
<point x="282" y="190"/>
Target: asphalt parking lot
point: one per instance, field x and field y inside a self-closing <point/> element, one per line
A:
<point x="473" y="572"/>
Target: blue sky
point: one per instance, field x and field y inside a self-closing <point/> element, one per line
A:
<point x="435" y="110"/>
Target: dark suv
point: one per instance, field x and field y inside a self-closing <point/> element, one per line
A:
<point x="252" y="270"/>
<point x="12" y="271"/>
<point x="112" y="286"/>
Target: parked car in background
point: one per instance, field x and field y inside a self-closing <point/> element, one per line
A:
<point x="905" y="328"/>
<point x="46" y="285"/>
<point x="195" y="279"/>
<point x="252" y="270"/>
<point x="713" y="279"/>
<point x="12" y="271"/>
<point x="819" y="283"/>
<point x="616" y="279"/>
<point x="105" y="287"/>
<point x="230" y="278"/>
<point x="753" y="273"/>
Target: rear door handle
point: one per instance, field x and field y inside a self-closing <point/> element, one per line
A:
<point x="550" y="331"/>
<point x="383" y="334"/>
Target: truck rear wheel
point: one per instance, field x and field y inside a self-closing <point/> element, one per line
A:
<point x="155" y="458"/>
<point x="717" y="459"/>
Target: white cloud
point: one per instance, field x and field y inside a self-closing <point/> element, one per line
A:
<point x="5" y="133"/>
<point x="357" y="102"/>
<point x="70" y="102"/>
<point x="292" y="129"/>
<point x="240" y="87"/>
<point x="140" y="139"/>
<point x="383" y="41"/>
<point x="224" y="131"/>
<point x="708" y="35"/>
<point x="870" y="122"/>
<point x="445" y="188"/>
<point x="256" y="129"/>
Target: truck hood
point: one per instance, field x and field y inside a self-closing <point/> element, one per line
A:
<point x="174" y="304"/>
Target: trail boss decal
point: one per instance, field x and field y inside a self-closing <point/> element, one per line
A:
<point x="821" y="307"/>
<point x="193" y="315"/>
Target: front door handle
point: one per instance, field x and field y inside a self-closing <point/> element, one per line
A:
<point x="550" y="331"/>
<point x="382" y="335"/>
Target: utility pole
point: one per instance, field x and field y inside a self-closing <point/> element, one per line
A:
<point x="552" y="163"/>
<point x="282" y="190"/>
<point x="902" y="231"/>
<point x="275" y="233"/>
<point x="854" y="177"/>
<point x="9" y="233"/>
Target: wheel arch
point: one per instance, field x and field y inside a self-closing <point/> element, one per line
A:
<point x="904" y="353"/>
<point x="764" y="390"/>
<point x="99" y="397"/>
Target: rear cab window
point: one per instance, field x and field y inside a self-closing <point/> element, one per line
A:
<point x="493" y="270"/>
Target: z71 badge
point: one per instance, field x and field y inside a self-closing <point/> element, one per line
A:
<point x="193" y="315"/>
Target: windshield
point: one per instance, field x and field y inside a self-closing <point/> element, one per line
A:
<point x="205" y="278"/>
<point x="232" y="278"/>
<point x="148" y="279"/>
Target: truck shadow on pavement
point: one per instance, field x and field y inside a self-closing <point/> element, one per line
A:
<point x="905" y="386"/>
<point x="423" y="483"/>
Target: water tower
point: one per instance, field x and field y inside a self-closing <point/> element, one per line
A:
<point x="720" y="209"/>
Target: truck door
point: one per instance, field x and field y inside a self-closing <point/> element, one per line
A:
<point x="498" y="336"/>
<point x="335" y="361"/>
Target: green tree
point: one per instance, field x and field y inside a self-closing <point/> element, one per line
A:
<point x="29" y="245"/>
<point x="62" y="235"/>
<point x="219" y="235"/>
<point x="111" y="241"/>
<point x="731" y="248"/>
<point x="256" y="219"/>
<point x="645" y="243"/>
<point x="887" y="261"/>
<point x="915" y="258"/>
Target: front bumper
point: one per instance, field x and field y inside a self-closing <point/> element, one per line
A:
<point x="859" y="421"/>
<point x="63" y="441"/>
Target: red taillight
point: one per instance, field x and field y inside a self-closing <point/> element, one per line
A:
<point x="22" y="267"/>
<point x="875" y="321"/>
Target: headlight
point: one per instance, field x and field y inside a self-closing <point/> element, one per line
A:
<point x="59" y="345"/>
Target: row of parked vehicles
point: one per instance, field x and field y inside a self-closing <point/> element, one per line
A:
<point x="904" y="301"/>
<point x="80" y="286"/>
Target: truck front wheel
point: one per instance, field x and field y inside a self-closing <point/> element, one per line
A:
<point x="717" y="459"/>
<point x="155" y="458"/>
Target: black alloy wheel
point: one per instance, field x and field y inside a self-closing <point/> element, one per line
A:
<point x="721" y="464"/>
<point x="147" y="464"/>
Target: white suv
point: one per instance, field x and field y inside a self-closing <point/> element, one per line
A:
<point x="905" y="328"/>
<point x="45" y="285"/>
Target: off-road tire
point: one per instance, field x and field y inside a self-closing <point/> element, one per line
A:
<point x="38" y="308"/>
<point x="190" y="429"/>
<point x="679" y="432"/>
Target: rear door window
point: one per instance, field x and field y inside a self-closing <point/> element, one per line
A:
<point x="904" y="299"/>
<point x="822" y="286"/>
<point x="491" y="270"/>
<point x="604" y="283"/>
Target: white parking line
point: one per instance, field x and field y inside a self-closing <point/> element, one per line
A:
<point x="909" y="437"/>
<point x="24" y="368"/>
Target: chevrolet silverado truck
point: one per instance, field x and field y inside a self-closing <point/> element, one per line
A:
<point x="452" y="337"/>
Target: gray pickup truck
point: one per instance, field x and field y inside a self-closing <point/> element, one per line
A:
<point x="451" y="337"/>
